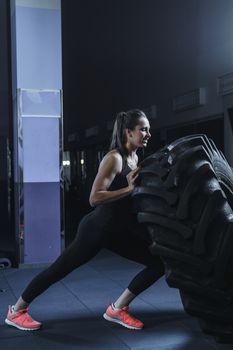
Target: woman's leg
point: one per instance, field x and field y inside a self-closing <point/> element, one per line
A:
<point x="73" y="256"/>
<point x="86" y="245"/>
<point x="133" y="247"/>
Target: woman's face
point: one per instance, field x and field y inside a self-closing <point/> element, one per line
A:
<point x="139" y="136"/>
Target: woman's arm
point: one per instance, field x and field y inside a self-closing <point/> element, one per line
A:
<point x="110" y="166"/>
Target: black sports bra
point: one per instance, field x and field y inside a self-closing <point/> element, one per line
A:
<point x="120" y="179"/>
<point x="115" y="214"/>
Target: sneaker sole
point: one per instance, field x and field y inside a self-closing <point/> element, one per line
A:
<point x="10" y="323"/>
<point x="111" y="319"/>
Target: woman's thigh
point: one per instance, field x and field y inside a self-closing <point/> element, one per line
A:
<point x="132" y="246"/>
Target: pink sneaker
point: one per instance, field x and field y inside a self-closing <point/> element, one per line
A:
<point x="122" y="317"/>
<point x="22" y="320"/>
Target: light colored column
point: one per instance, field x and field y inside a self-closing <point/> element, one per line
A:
<point x="38" y="131"/>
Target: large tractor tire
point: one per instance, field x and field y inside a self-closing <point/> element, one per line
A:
<point x="185" y="198"/>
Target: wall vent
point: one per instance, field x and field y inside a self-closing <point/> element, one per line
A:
<point x="225" y="84"/>
<point x="192" y="99"/>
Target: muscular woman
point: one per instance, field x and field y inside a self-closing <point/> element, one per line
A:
<point x="111" y="225"/>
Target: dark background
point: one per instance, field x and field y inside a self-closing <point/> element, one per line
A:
<point x="107" y="56"/>
<point x="123" y="54"/>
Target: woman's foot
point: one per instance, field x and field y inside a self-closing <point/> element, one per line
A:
<point x="21" y="320"/>
<point x="122" y="317"/>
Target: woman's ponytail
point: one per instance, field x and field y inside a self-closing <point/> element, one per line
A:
<point x="118" y="135"/>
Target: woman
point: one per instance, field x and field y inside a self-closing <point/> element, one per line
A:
<point x="110" y="225"/>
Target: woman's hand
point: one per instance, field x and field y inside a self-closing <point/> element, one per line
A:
<point x="131" y="178"/>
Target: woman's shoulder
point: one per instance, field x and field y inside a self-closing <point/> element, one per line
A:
<point x="113" y="159"/>
<point x="114" y="155"/>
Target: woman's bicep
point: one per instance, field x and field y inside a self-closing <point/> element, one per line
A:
<point x="102" y="181"/>
<point x="108" y="169"/>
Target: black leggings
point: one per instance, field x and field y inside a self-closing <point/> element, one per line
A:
<point x="90" y="239"/>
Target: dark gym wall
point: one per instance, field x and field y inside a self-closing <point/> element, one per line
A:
<point x="127" y="53"/>
<point x="121" y="54"/>
<point x="103" y="68"/>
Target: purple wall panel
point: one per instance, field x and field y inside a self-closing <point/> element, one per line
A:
<point x="42" y="229"/>
<point x="41" y="150"/>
